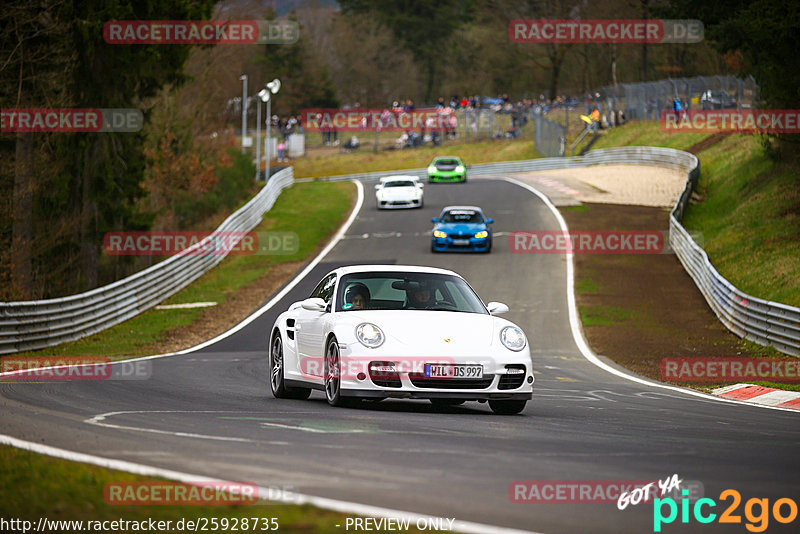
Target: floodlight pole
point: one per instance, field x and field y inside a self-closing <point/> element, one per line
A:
<point x="243" y="77"/>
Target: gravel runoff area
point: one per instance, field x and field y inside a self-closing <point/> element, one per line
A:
<point x="638" y="185"/>
<point x="637" y="308"/>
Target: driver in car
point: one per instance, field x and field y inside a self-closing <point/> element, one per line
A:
<point x="357" y="296"/>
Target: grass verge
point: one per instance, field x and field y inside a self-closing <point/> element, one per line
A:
<point x="749" y="214"/>
<point x="55" y="489"/>
<point x="330" y="162"/>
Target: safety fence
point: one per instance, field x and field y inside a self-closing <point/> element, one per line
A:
<point x="646" y="100"/>
<point x="31" y="325"/>
<point x="550" y="138"/>
<point x="759" y="320"/>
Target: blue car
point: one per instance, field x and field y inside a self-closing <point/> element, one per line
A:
<point x="462" y="228"/>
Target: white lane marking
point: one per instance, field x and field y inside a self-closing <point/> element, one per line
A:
<point x="266" y="307"/>
<point x="318" y="430"/>
<point x="99" y="420"/>
<point x="577" y="329"/>
<point x="336" y="505"/>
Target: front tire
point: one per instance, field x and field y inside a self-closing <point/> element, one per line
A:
<point x="333" y="375"/>
<point x="507" y="407"/>
<point x="276" y="381"/>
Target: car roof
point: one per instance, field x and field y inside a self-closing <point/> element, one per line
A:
<point x="391" y="268"/>
<point x="437" y="158"/>
<point x="398" y="177"/>
<point x="472" y="208"/>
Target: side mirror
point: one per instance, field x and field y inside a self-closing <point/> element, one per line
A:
<point x="496" y="308"/>
<point x="314" y="304"/>
<point x="377" y="186"/>
<point x="434" y="220"/>
<point x="420" y="185"/>
<point x="489" y="221"/>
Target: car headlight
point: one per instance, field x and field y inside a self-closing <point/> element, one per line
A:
<point x="482" y="234"/>
<point x="370" y="335"/>
<point x="460" y="168"/>
<point x="431" y="169"/>
<point x="439" y="233"/>
<point x="513" y="338"/>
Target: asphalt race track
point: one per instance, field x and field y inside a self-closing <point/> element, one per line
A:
<point x="210" y="412"/>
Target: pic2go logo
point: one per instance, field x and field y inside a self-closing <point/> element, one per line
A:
<point x="757" y="521"/>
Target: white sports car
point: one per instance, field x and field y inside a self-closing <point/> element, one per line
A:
<point x="387" y="331"/>
<point x="399" y="192"/>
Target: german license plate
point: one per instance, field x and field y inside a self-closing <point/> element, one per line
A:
<point x="461" y="241"/>
<point x="435" y="370"/>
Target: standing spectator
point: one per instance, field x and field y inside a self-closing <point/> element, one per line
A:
<point x="281" y="150"/>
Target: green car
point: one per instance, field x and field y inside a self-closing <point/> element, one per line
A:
<point x="447" y="169"/>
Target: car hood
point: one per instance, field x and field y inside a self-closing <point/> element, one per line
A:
<point x="445" y="167"/>
<point x="461" y="228"/>
<point x="397" y="192"/>
<point x="430" y="329"/>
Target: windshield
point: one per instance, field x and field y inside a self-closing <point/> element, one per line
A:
<point x="461" y="216"/>
<point x="399" y="183"/>
<point x="406" y="291"/>
<point x="447" y="162"/>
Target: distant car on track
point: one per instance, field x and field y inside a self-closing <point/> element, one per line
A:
<point x="717" y="100"/>
<point x="394" y="192"/>
<point x="391" y="331"/>
<point x="462" y="228"/>
<point x="447" y="169"/>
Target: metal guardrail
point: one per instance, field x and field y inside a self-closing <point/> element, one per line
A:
<point x="759" y="320"/>
<point x="32" y="325"/>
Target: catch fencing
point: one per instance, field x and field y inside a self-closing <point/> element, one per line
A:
<point x="550" y="138"/>
<point x="646" y="100"/>
<point x="31" y="325"/>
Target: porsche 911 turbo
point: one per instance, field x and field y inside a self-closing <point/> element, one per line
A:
<point x="388" y="331"/>
<point x="393" y="192"/>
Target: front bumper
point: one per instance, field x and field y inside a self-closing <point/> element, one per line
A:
<point x="441" y="244"/>
<point x="447" y="176"/>
<point x="399" y="204"/>
<point x="470" y="396"/>
<point x="500" y="380"/>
